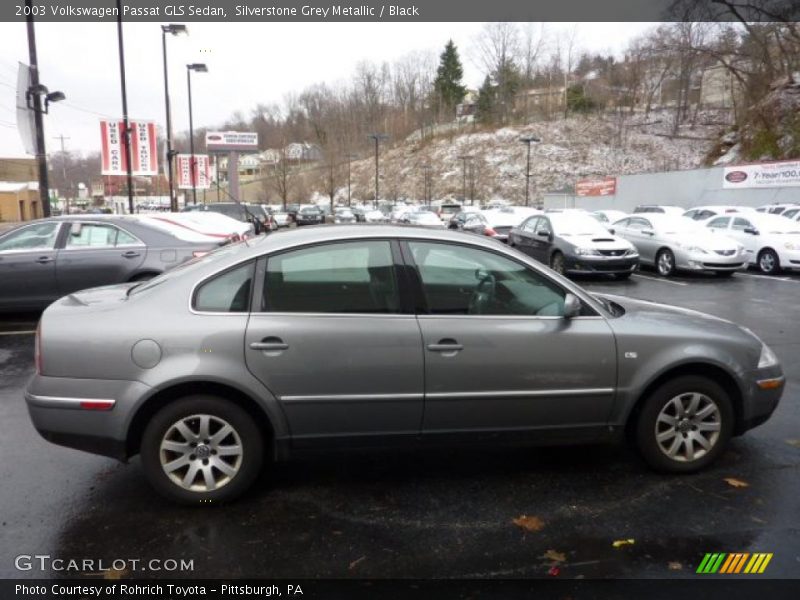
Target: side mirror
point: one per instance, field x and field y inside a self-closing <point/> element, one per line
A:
<point x="543" y="233"/>
<point x="611" y="231"/>
<point x="648" y="232"/>
<point x="572" y="306"/>
<point x="751" y="230"/>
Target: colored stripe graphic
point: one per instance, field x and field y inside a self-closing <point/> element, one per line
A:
<point x="733" y="563"/>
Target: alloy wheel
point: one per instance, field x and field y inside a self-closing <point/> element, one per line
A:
<point x="665" y="263"/>
<point x="688" y="426"/>
<point x="557" y="263"/>
<point x="767" y="261"/>
<point x="201" y="453"/>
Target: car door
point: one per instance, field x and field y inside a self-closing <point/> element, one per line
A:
<point x="28" y="266"/>
<point x="542" y="240"/>
<point x="95" y="254"/>
<point x="521" y="237"/>
<point x="641" y="234"/>
<point x="499" y="356"/>
<point x="333" y="343"/>
<point x="743" y="231"/>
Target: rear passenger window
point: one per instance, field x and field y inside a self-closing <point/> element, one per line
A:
<point x="227" y="292"/>
<point x="741" y="224"/>
<point x="719" y="223"/>
<point x="352" y="277"/>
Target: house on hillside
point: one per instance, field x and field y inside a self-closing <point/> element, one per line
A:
<point x="303" y="152"/>
<point x="467" y="108"/>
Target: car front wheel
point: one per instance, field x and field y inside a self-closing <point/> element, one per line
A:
<point x="665" y="263"/>
<point x="768" y="261"/>
<point x="684" y="425"/>
<point x="557" y="263"/>
<point x="202" y="450"/>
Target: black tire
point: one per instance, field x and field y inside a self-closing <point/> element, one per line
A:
<point x="725" y="274"/>
<point x="622" y="276"/>
<point x="557" y="263"/>
<point x="252" y="444"/>
<point x="646" y="424"/>
<point x="665" y="262"/>
<point x="768" y="261"/>
<point x="144" y="276"/>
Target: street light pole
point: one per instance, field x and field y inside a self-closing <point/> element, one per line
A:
<point x="426" y="170"/>
<point x="464" y="158"/>
<point x="200" y="68"/>
<point x="173" y="29"/>
<point x="350" y="157"/>
<point x="126" y="134"/>
<point x="528" y="139"/>
<point x="377" y="137"/>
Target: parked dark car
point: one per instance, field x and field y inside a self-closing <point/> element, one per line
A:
<point x="574" y="243"/>
<point x="344" y="215"/>
<point x="360" y="214"/>
<point x="468" y="220"/>
<point x="235" y="210"/>
<point x="49" y="258"/>
<point x="369" y="336"/>
<point x="310" y="215"/>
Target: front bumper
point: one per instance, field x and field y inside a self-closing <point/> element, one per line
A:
<point x="92" y="415"/>
<point x="601" y="264"/>
<point x="710" y="261"/>
<point x="761" y="397"/>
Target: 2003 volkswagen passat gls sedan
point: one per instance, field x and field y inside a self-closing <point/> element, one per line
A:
<point x="359" y="335"/>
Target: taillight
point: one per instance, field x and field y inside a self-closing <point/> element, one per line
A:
<point x="37" y="349"/>
<point x="490" y="232"/>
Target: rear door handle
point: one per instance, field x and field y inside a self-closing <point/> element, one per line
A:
<point x="269" y="344"/>
<point x="131" y="254"/>
<point x="43" y="260"/>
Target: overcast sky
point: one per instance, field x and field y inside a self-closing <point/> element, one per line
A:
<point x="248" y="64"/>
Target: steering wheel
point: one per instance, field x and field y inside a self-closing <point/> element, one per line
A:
<point x="484" y="294"/>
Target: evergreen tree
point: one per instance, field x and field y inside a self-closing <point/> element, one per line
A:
<point x="447" y="85"/>
<point x="485" y="111"/>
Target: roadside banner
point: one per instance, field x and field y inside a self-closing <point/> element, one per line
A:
<point x="596" y="187"/>
<point x="202" y="171"/>
<point x="144" y="152"/>
<point x="761" y="175"/>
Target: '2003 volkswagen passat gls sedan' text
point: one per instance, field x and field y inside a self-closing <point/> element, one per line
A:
<point x="359" y="335"/>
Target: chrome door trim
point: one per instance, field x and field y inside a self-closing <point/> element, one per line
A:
<point x="518" y="393"/>
<point x="349" y="398"/>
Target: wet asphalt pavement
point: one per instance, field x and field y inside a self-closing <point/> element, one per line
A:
<point x="432" y="515"/>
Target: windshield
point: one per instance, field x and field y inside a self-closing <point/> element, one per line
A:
<point x="677" y="225"/>
<point x="308" y="210"/>
<point x="776" y="224"/>
<point x="576" y="224"/>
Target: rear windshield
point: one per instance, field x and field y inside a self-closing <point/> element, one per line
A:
<point x="449" y="209"/>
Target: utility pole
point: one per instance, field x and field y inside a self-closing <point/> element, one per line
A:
<point x="378" y="137"/>
<point x="41" y="152"/>
<point x="528" y="139"/>
<point x="126" y="135"/>
<point x="465" y="158"/>
<point x="64" y="171"/>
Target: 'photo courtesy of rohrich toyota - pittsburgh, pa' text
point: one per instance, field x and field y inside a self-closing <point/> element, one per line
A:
<point x="443" y="299"/>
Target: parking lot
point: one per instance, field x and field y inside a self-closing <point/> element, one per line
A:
<point x="451" y="514"/>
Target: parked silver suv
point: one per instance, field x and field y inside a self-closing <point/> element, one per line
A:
<point x="359" y="335"/>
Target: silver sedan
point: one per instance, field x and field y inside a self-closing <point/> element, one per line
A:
<point x="329" y="337"/>
<point x="671" y="243"/>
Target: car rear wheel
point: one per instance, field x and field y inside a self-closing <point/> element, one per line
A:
<point x="665" y="262"/>
<point x="557" y="263"/>
<point x="768" y="261"/>
<point x="202" y="449"/>
<point x="684" y="425"/>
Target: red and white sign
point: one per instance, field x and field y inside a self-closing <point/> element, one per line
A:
<point x="202" y="171"/>
<point x="231" y="141"/>
<point x="143" y="148"/>
<point x="761" y="175"/>
<point x="596" y="187"/>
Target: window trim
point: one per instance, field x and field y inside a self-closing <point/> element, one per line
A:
<point x="63" y="243"/>
<point x="419" y="292"/>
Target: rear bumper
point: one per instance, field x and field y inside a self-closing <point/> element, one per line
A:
<point x="92" y="415"/>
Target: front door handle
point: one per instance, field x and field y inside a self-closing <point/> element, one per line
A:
<point x="43" y="260"/>
<point x="131" y="254"/>
<point x="270" y="344"/>
<point x="446" y="345"/>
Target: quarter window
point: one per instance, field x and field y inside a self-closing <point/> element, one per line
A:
<point x="96" y="235"/>
<point x="228" y="292"/>
<point x="351" y="277"/>
<point x="458" y="280"/>
<point x="719" y="223"/>
<point x="741" y="224"/>
<point x="41" y="236"/>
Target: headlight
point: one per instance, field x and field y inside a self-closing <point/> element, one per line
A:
<point x="586" y="252"/>
<point x="767" y="358"/>
<point x="631" y="252"/>
<point x="692" y="249"/>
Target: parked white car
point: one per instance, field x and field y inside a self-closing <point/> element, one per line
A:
<point x="704" y="213"/>
<point x="199" y="225"/>
<point x="772" y="242"/>
<point x="607" y="217"/>
<point x="776" y="209"/>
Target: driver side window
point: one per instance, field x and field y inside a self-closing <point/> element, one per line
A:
<point x="458" y="280"/>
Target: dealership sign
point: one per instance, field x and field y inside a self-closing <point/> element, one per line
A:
<point x="596" y="187"/>
<point x="202" y="171"/>
<point x="761" y="175"/>
<point x="231" y="141"/>
<point x="143" y="148"/>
